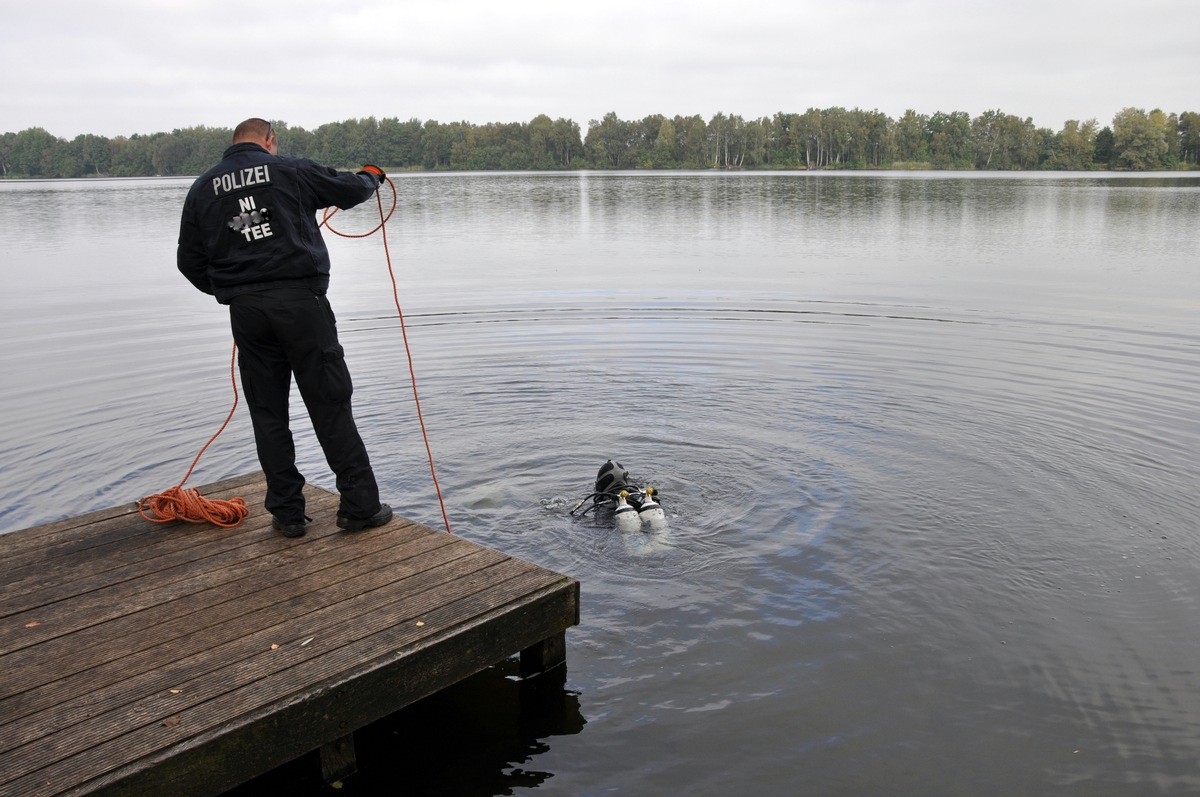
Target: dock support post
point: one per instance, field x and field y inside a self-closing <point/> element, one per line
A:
<point x="337" y="759"/>
<point x="544" y="656"/>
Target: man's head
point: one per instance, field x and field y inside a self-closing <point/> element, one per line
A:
<point x="257" y="131"/>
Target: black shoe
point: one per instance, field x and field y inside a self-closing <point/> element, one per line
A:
<point x="383" y="516"/>
<point x="290" y="529"/>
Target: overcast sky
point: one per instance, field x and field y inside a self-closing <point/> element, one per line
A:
<point x="119" y="67"/>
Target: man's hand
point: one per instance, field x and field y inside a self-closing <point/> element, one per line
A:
<point x="375" y="170"/>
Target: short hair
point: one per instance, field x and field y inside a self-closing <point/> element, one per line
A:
<point x="253" y="130"/>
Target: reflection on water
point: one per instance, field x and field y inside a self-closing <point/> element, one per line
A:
<point x="926" y="444"/>
<point x="480" y="737"/>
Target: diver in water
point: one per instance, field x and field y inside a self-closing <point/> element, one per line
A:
<point x="631" y="506"/>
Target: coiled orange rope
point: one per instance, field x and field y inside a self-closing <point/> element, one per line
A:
<point x="189" y="505"/>
<point x="382" y="227"/>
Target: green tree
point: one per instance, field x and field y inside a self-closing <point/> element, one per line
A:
<point x="1047" y="147"/>
<point x="397" y="144"/>
<point x="838" y="130"/>
<point x="950" y="140"/>
<point x="295" y="142"/>
<point x="1169" y="125"/>
<point x="1004" y="141"/>
<point x="784" y="153"/>
<point x="816" y="139"/>
<point x="643" y="136"/>
<point x="564" y="136"/>
<point x="32" y="153"/>
<point x="608" y="142"/>
<point x="95" y="155"/>
<point x="437" y="141"/>
<point x="66" y="160"/>
<point x="877" y="139"/>
<point x="809" y="132"/>
<point x="662" y="154"/>
<point x="6" y="147"/>
<point x="200" y="148"/>
<point x="1022" y="144"/>
<point x="132" y="157"/>
<point x="761" y="135"/>
<point x="987" y="130"/>
<point x="168" y="155"/>
<point x="1189" y="137"/>
<point x="714" y="133"/>
<point x="1105" y="148"/>
<point x="347" y="144"/>
<point x="691" y="135"/>
<point x="911" y="135"/>
<point x="1076" y="146"/>
<point x="1139" y="141"/>
<point x="729" y="141"/>
<point x="540" y="133"/>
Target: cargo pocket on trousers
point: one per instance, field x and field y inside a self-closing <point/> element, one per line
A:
<point x="335" y="376"/>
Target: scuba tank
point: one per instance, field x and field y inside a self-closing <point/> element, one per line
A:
<point x="650" y="512"/>
<point x="625" y="516"/>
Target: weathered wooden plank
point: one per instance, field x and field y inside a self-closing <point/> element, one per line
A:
<point x="128" y="675"/>
<point x="220" y="599"/>
<point x="37" y="537"/>
<point x="135" y="586"/>
<point x="16" y="541"/>
<point x="143" y="545"/>
<point x="103" y="546"/>
<point x="293" y="601"/>
<point x="213" y="673"/>
<point x="190" y="659"/>
<point x="213" y="762"/>
<point x="152" y="728"/>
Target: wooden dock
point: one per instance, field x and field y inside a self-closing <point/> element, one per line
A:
<point x="139" y="659"/>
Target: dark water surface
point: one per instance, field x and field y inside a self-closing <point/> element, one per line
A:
<point x="927" y="443"/>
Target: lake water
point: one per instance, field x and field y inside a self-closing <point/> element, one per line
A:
<point x="928" y="445"/>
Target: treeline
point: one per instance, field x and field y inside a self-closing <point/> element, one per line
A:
<point x="833" y="138"/>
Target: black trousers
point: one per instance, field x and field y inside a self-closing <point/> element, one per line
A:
<point x="286" y="331"/>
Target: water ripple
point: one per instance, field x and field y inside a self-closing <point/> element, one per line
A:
<point x="930" y="485"/>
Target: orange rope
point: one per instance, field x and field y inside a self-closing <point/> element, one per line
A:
<point x="382" y="227"/>
<point x="188" y="505"/>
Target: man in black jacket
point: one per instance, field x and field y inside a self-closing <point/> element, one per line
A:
<point x="249" y="236"/>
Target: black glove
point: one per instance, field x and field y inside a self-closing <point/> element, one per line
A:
<point x="374" y="170"/>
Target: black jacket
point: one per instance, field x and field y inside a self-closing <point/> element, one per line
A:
<point x="249" y="223"/>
